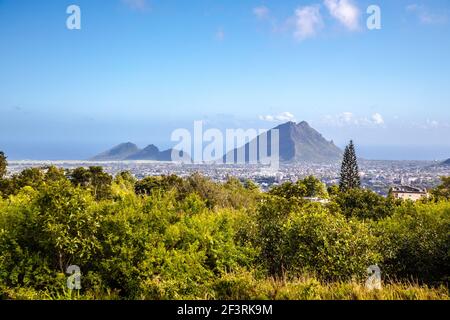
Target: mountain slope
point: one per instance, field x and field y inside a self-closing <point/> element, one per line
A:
<point x="298" y="143"/>
<point x="446" y="162"/>
<point x="310" y="145"/>
<point x="118" y="152"/>
<point x="150" y="152"/>
<point x="129" y="151"/>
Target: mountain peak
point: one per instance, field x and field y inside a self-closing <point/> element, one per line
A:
<point x="303" y="124"/>
<point x="286" y="126"/>
<point x="129" y="151"/>
<point x="292" y="124"/>
<point x="118" y="152"/>
<point x="151" y="148"/>
<point x="299" y="142"/>
<point x="150" y="152"/>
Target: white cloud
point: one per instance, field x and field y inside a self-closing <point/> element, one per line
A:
<point x="261" y="12"/>
<point x="140" y="5"/>
<point x="377" y="119"/>
<point x="283" y="117"/>
<point x="425" y="16"/>
<point x="346" y="119"/>
<point x="307" y="22"/>
<point x="345" y="11"/>
<point x="432" y="124"/>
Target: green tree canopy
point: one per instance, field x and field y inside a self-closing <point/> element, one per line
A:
<point x="309" y="187"/>
<point x="94" y="178"/>
<point x="350" y="178"/>
<point x="443" y="190"/>
<point x="365" y="204"/>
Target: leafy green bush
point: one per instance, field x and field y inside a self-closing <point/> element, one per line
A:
<point x="365" y="204"/>
<point x="415" y="242"/>
<point x="309" y="238"/>
<point x="174" y="238"/>
<point x="330" y="246"/>
<point x="309" y="187"/>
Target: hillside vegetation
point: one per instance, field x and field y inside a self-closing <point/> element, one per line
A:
<point x="173" y="238"/>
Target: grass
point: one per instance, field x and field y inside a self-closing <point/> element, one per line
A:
<point x="244" y="286"/>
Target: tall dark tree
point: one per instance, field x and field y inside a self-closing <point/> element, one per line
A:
<point x="350" y="178"/>
<point x="3" y="164"/>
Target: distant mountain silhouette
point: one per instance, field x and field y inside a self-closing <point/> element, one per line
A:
<point x="446" y="162"/>
<point x="129" y="151"/>
<point x="150" y="152"/>
<point x="120" y="152"/>
<point x="298" y="143"/>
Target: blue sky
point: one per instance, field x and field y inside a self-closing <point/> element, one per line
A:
<point x="138" y="69"/>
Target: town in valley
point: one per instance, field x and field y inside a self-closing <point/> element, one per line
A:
<point x="379" y="176"/>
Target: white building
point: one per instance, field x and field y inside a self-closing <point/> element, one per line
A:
<point x="409" y="193"/>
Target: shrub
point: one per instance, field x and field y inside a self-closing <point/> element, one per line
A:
<point x="330" y="246"/>
<point x="195" y="239"/>
<point x="365" y="204"/>
<point x="415" y="242"/>
<point x="308" y="238"/>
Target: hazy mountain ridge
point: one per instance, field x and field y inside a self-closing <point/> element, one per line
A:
<point x="119" y="152"/>
<point x="299" y="142"/>
<point x="151" y="152"/>
<point x="129" y="151"/>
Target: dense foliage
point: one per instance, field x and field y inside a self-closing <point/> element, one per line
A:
<point x="191" y="238"/>
<point x="443" y="191"/>
<point x="350" y="178"/>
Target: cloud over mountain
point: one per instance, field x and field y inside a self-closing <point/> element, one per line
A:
<point x="281" y="117"/>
